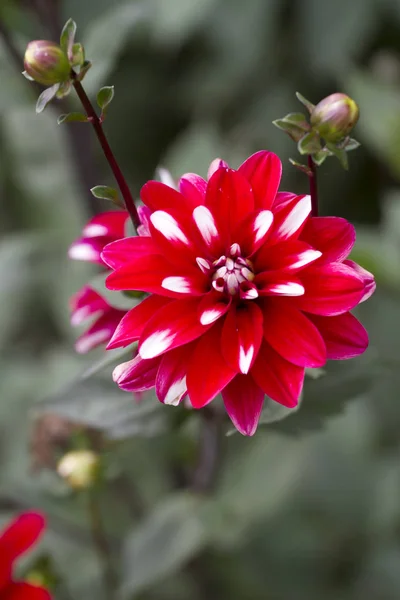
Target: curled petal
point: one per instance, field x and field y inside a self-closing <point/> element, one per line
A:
<point x="208" y="373"/>
<point x="343" y="335"/>
<point x="144" y="215"/>
<point x="216" y="164"/>
<point x="366" y="276"/>
<point x="111" y="224"/>
<point x="136" y="375"/>
<point x="333" y="236"/>
<point x="100" y="332"/>
<point x="86" y="303"/>
<point x="280" y="379"/>
<point x="171" y="375"/>
<point x="263" y="170"/>
<point x="212" y="307"/>
<point x="282" y="200"/>
<point x="193" y="187"/>
<point x="293" y="335"/>
<point x="89" y="249"/>
<point x="243" y="400"/>
<point x="122" y="252"/>
<point x="21" y="535"/>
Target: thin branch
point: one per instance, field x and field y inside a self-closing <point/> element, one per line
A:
<point x="97" y="126"/>
<point x="313" y="186"/>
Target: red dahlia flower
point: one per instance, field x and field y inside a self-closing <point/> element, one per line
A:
<point x="246" y="290"/>
<point x="87" y="303"/>
<point x="19" y="536"/>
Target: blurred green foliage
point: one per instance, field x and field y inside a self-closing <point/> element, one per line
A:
<point x="310" y="507"/>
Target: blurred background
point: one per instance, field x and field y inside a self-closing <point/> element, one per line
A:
<point x="310" y="507"/>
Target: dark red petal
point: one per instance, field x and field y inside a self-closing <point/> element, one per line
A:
<point x="110" y="224"/>
<point x="229" y="198"/>
<point x="136" y="375"/>
<point x="289" y="221"/>
<point x="333" y="236"/>
<point x="171" y="375"/>
<point x="366" y="276"/>
<point x="290" y="256"/>
<point x="193" y="187"/>
<point x="175" y="324"/>
<point x="131" y="325"/>
<point x="158" y="196"/>
<point x="207" y="372"/>
<point x="212" y="307"/>
<point x="252" y="232"/>
<point x="243" y="400"/>
<point x="241" y="336"/>
<point x="25" y="591"/>
<point x="263" y="170"/>
<point x="280" y="379"/>
<point x="330" y="289"/>
<point x="100" y="332"/>
<point x="21" y="534"/>
<point x="344" y="335"/>
<point x="122" y="252"/>
<point x="292" y="335"/>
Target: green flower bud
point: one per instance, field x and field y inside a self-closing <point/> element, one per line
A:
<point x="80" y="469"/>
<point x="334" y="117"/>
<point x="46" y="62"/>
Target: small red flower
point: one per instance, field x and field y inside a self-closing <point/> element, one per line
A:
<point x="87" y="303"/>
<point x="15" y="540"/>
<point x="246" y="291"/>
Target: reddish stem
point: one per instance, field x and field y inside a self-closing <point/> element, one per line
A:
<point x="97" y="126"/>
<point x="313" y="186"/>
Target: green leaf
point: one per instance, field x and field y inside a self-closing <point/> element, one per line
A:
<point x="78" y="55"/>
<point x="321" y="156"/>
<point x="64" y="89"/>
<point x="84" y="69"/>
<point x="309" y="105"/>
<point x="114" y="298"/>
<point x="67" y="38"/>
<point x="105" y="192"/>
<point x="340" y="155"/>
<point x="45" y="97"/>
<point x="303" y="168"/>
<point x="165" y="541"/>
<point x="351" y="144"/>
<point x="104" y="98"/>
<point x="309" y="143"/>
<point x="294" y="124"/>
<point x="74" y="116"/>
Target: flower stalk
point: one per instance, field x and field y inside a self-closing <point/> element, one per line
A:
<point x="312" y="177"/>
<point x="98" y="128"/>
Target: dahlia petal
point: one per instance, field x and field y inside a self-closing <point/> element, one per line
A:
<point x="282" y="200"/>
<point x="268" y="284"/>
<point x="21" y="535"/>
<point x="334" y="236"/>
<point x="25" y="591"/>
<point x="208" y="230"/>
<point x="280" y="379"/>
<point x="252" y="232"/>
<point x="366" y="276"/>
<point x="158" y="196"/>
<point x="330" y="289"/>
<point x="263" y="170"/>
<point x="185" y="284"/>
<point x="130" y="327"/>
<point x="241" y="336"/>
<point x="173" y="325"/>
<point x="193" y="187"/>
<point x="293" y="335"/>
<point x="121" y="252"/>
<point x="89" y="249"/>
<point x="207" y="372"/>
<point x="290" y="256"/>
<point x="229" y="198"/>
<point x="289" y="221"/>
<point x="243" y="400"/>
<point x="216" y="164"/>
<point x="100" y="332"/>
<point x="110" y="223"/>
<point x="171" y="375"/>
<point x="136" y="375"/>
<point x="144" y="215"/>
<point x="212" y="307"/>
<point x="86" y="303"/>
<point x="344" y="335"/>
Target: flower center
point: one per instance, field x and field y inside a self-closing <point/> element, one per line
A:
<point x="231" y="271"/>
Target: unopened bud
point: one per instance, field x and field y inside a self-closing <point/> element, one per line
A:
<point x="46" y="62"/>
<point x="80" y="469"/>
<point x="334" y="117"/>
